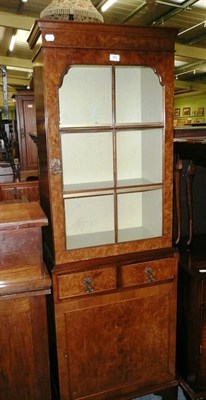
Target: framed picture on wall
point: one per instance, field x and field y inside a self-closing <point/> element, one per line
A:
<point x="200" y="111"/>
<point x="177" y="112"/>
<point x="186" y="111"/>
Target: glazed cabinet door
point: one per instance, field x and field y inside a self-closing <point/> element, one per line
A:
<point x="112" y="154"/>
<point x="111" y="341"/>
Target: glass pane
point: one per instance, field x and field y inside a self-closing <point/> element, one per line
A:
<point x="139" y="157"/>
<point x="139" y="95"/>
<point x="87" y="160"/>
<point x="136" y="216"/>
<point x="89" y="221"/>
<point x="88" y="94"/>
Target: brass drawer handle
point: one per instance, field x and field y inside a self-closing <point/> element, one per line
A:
<point x="150" y="274"/>
<point x="88" y="286"/>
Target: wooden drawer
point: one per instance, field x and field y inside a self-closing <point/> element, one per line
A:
<point x="82" y="283"/>
<point x="147" y="272"/>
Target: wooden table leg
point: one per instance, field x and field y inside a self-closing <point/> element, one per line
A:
<point x="177" y="177"/>
<point x="189" y="182"/>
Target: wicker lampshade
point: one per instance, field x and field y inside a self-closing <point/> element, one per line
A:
<point x="77" y="10"/>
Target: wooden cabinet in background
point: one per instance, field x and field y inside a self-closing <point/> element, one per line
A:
<point x="25" y="283"/>
<point x="190" y="173"/>
<point x="24" y="346"/>
<point x="26" y="125"/>
<point x="191" y="332"/>
<point x="17" y="190"/>
<point x="105" y="137"/>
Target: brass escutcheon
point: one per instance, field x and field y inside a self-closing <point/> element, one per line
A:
<point x="150" y="274"/>
<point x="88" y="286"/>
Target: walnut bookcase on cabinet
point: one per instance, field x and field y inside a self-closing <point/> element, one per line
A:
<point x="105" y="155"/>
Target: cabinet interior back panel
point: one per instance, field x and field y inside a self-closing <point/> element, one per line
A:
<point x="89" y="96"/>
<point x="87" y="157"/>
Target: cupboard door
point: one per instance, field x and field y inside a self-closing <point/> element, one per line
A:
<point x="111" y="343"/>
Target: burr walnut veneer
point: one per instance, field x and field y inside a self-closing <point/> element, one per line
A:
<point x="104" y="104"/>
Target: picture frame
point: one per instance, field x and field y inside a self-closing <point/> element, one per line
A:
<point x="186" y="111"/>
<point x="200" y="111"/>
<point x="177" y="112"/>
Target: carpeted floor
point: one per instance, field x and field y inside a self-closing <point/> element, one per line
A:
<point x="155" y="397"/>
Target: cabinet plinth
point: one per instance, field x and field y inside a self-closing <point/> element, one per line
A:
<point x="105" y="129"/>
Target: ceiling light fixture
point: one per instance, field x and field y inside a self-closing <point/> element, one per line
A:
<point x="107" y="5"/>
<point x="192" y="27"/>
<point x="12" y="42"/>
<point x="20" y="69"/>
<point x="24" y="1"/>
<point x="168" y="3"/>
<point x="73" y="10"/>
<point x="190" y="71"/>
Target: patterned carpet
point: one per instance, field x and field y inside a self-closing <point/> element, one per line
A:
<point x="155" y="397"/>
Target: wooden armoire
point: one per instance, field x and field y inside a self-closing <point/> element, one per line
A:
<point x="191" y="239"/>
<point x="26" y="127"/>
<point x="104" y="104"/>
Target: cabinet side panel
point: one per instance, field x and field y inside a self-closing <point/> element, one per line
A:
<point x="24" y="360"/>
<point x="44" y="189"/>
